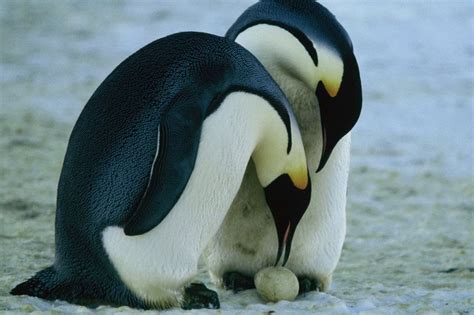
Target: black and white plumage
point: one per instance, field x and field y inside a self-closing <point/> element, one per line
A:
<point x="153" y="164"/>
<point x="310" y="56"/>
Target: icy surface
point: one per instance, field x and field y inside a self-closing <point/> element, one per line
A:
<point x="409" y="246"/>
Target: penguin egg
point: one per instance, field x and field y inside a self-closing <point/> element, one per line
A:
<point x="276" y="283"/>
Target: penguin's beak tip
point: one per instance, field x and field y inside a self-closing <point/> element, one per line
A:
<point x="287" y="203"/>
<point x="284" y="244"/>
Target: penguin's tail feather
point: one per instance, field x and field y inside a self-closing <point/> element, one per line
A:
<point x="48" y="284"/>
<point x="44" y="284"/>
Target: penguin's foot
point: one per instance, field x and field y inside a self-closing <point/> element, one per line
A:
<point x="308" y="284"/>
<point x="196" y="295"/>
<point x="236" y="281"/>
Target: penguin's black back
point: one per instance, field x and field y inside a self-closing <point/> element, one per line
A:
<point x="113" y="144"/>
<point x="112" y="147"/>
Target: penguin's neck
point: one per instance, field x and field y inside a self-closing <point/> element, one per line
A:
<point x="291" y="66"/>
<point x="277" y="47"/>
<point x="306" y="109"/>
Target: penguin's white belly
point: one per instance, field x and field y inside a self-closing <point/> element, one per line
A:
<point x="247" y="240"/>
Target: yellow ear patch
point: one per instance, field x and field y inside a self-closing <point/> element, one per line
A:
<point x="299" y="178"/>
<point x="330" y="69"/>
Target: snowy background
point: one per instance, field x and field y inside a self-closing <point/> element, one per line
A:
<point x="409" y="247"/>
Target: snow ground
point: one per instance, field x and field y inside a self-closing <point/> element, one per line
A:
<point x="409" y="246"/>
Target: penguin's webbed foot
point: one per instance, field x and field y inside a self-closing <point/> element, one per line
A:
<point x="196" y="296"/>
<point x="237" y="282"/>
<point x="308" y="284"/>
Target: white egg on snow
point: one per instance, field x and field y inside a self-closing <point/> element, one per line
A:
<point x="276" y="283"/>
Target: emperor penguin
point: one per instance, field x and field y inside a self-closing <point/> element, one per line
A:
<point x="309" y="54"/>
<point x="152" y="166"/>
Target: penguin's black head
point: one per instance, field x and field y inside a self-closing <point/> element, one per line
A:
<point x="303" y="40"/>
<point x="287" y="203"/>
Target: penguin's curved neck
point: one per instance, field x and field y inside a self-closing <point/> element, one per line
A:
<point x="279" y="50"/>
<point x="281" y="168"/>
<point x="293" y="68"/>
<point x="267" y="138"/>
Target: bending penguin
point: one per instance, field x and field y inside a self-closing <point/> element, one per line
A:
<point x="152" y="166"/>
<point x="310" y="56"/>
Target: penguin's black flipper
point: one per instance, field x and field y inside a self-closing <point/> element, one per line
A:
<point x="180" y="131"/>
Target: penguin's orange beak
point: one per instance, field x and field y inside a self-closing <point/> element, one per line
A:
<point x="288" y="200"/>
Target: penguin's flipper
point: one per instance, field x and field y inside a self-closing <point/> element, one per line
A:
<point x="179" y="135"/>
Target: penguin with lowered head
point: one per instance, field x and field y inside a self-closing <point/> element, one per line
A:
<point x="152" y="166"/>
<point x="310" y="55"/>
